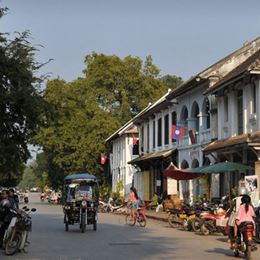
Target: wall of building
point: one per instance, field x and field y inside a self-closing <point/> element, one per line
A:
<point x="121" y="170"/>
<point x="228" y="128"/>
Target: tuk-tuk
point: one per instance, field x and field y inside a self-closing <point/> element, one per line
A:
<point x="80" y="201"/>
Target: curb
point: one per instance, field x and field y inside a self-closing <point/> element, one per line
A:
<point x="147" y="215"/>
<point x="157" y="218"/>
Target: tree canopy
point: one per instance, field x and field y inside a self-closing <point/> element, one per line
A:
<point x="84" y="112"/>
<point x="20" y="103"/>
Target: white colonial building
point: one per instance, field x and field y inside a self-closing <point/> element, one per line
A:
<point x="238" y="109"/>
<point x="121" y="147"/>
<point x="193" y="107"/>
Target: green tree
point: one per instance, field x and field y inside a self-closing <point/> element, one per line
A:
<point x="20" y="103"/>
<point x="29" y="179"/>
<point x="123" y="86"/>
<point x="171" y="81"/>
<point x="83" y="113"/>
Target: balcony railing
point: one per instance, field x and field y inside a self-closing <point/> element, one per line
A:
<point x="205" y="136"/>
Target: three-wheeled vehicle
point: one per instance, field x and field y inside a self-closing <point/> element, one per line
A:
<point x="80" y="201"/>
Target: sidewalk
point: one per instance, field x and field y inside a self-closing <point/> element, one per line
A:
<point x="162" y="216"/>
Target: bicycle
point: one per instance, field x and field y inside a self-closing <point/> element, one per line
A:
<point x="139" y="216"/>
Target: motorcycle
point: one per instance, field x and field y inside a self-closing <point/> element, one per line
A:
<point x="197" y="221"/>
<point x="245" y="243"/>
<point x="214" y="222"/>
<point x="181" y="217"/>
<point x="42" y="197"/>
<point x="16" y="235"/>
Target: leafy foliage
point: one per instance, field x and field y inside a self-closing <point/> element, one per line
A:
<point x="20" y="104"/>
<point x="83" y="113"/>
<point x="35" y="174"/>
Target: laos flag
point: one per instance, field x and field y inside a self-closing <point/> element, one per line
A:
<point x="177" y="132"/>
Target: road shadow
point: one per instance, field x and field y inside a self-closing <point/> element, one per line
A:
<point x="220" y="251"/>
<point x="222" y="239"/>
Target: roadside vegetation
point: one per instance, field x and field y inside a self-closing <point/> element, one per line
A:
<point x="68" y="120"/>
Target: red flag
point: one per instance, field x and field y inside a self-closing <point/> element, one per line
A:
<point x="134" y="140"/>
<point x="192" y="136"/>
<point x="103" y="158"/>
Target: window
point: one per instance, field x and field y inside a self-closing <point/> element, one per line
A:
<point x="153" y="134"/>
<point x="174" y="122"/>
<point x="159" y="134"/>
<point x="166" y="129"/>
<point x="240" y="111"/>
<point x="206" y="112"/>
<point x="254" y="99"/>
<point x="148" y="137"/>
<point x="226" y="108"/>
<point x="142" y="139"/>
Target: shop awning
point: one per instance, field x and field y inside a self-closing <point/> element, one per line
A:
<point x="192" y="173"/>
<point x="225" y="167"/>
<point x="152" y="156"/>
<point x="235" y="141"/>
<point x="182" y="174"/>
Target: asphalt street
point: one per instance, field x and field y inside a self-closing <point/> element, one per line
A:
<point x="114" y="240"/>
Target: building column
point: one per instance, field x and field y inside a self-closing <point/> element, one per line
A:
<point x="257" y="172"/>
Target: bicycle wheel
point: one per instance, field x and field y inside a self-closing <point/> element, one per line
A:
<point x="130" y="220"/>
<point x="142" y="220"/>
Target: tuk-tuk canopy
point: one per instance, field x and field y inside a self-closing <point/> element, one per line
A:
<point x="80" y="176"/>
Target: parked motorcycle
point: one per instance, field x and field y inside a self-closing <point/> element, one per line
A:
<point x="197" y="221"/>
<point x="181" y="217"/>
<point x="16" y="235"/>
<point x="213" y="222"/>
<point x="245" y="243"/>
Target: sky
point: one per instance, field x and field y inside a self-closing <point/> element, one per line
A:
<point x="183" y="36"/>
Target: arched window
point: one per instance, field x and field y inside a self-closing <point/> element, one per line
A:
<point x="206" y="113"/>
<point x="196" y="182"/>
<point x="195" y="163"/>
<point x="184" y="119"/>
<point x="195" y="115"/>
<point x="206" y="161"/>
<point x="184" y="164"/>
<point x="185" y="184"/>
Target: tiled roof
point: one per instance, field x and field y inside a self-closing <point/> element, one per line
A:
<point x="219" y="69"/>
<point x="235" y="140"/>
<point x="250" y="64"/>
<point x="152" y="156"/>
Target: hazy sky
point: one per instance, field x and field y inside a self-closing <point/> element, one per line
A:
<point x="182" y="36"/>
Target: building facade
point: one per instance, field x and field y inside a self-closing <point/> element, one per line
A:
<point x="121" y="151"/>
<point x="200" y="112"/>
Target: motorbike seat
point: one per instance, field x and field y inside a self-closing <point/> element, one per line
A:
<point x="247" y="223"/>
<point x="246" y="226"/>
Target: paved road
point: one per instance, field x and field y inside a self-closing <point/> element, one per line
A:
<point x="115" y="240"/>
